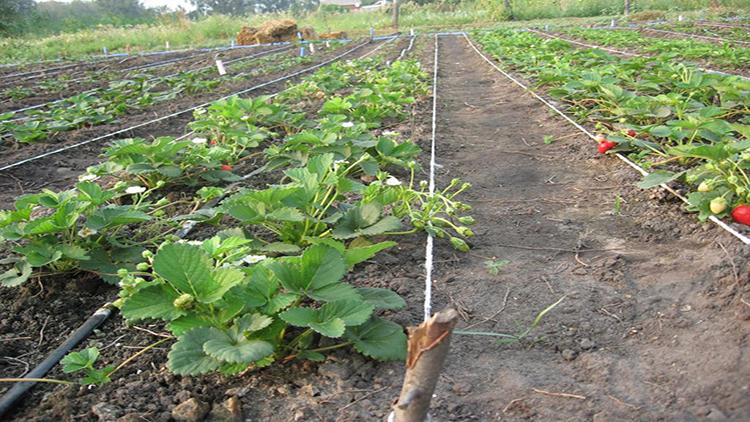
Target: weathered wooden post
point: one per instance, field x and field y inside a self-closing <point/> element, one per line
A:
<point x="428" y="346"/>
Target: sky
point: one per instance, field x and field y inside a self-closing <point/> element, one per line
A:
<point x="172" y="4"/>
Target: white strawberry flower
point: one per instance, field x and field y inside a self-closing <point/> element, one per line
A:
<point x="347" y="124"/>
<point x="86" y="232"/>
<point x="87" y="177"/>
<point x="132" y="190"/>
<point x="244" y="118"/>
<point x="392" y="181"/>
<point x="390" y="133"/>
<point x="253" y="259"/>
<point x="200" y="111"/>
<point x="199" y="141"/>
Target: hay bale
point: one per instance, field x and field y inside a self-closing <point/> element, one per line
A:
<point x="277" y="31"/>
<point x="247" y="36"/>
<point x="332" y="35"/>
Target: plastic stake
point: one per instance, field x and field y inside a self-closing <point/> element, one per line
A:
<point x="220" y="68"/>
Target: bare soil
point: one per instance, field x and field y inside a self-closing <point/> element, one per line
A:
<point x="653" y="325"/>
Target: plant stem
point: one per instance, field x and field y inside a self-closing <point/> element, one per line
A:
<point x="140" y="352"/>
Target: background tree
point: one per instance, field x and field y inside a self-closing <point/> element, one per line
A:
<point x="225" y="7"/>
<point x="15" y="15"/>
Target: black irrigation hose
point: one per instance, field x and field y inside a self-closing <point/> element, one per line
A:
<point x="20" y="388"/>
<point x="11" y="397"/>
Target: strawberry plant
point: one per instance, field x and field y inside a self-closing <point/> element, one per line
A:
<point x="84" y="228"/>
<point x="230" y="313"/>
<point x="682" y="123"/>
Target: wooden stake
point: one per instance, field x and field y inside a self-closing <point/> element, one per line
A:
<point x="427" y="349"/>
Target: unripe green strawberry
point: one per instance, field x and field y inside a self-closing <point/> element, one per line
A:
<point x="705" y="186"/>
<point x="184" y="301"/>
<point x="459" y="244"/>
<point x="467" y="219"/>
<point x="142" y="266"/>
<point x="718" y="205"/>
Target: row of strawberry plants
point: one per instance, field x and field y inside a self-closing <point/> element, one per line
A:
<point x="129" y="95"/>
<point x="728" y="32"/>
<point x="723" y="56"/>
<point x="267" y="288"/>
<point x="675" y="119"/>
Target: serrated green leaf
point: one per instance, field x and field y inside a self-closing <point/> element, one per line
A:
<point x="152" y="302"/>
<point x="333" y="328"/>
<point x="318" y="267"/>
<point x="657" y="178"/>
<point x="379" y="339"/>
<point x="17" y="274"/>
<point x="351" y="312"/>
<point x="113" y="216"/>
<point x="244" y="351"/>
<point x="299" y="317"/>
<point x="381" y="298"/>
<point x="354" y="256"/>
<point x="188" y="269"/>
<point x="77" y="361"/>
<point x="187" y="356"/>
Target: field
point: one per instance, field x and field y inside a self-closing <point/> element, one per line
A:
<point x="178" y="244"/>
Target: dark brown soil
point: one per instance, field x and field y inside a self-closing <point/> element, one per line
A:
<point x="653" y="325"/>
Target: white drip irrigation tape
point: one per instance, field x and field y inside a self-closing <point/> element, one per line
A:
<point x="744" y="239"/>
<point x="704" y="37"/>
<point x="625" y="53"/>
<point x="91" y="91"/>
<point x="408" y="48"/>
<point x="389" y="40"/>
<point x="128" y="129"/>
<point x="428" y="256"/>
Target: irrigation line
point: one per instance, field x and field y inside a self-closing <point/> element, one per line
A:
<point x="91" y="91"/>
<point x="625" y="53"/>
<point x="178" y="113"/>
<point x="744" y="239"/>
<point x="10" y="398"/>
<point x="428" y="256"/>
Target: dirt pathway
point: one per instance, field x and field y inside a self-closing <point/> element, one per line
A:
<point x="653" y="325"/>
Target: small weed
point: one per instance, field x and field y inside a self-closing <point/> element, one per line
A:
<point x="495" y="265"/>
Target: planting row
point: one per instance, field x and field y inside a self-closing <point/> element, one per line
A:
<point x="727" y="32"/>
<point x="332" y="190"/>
<point x="23" y="92"/>
<point x="724" y="57"/>
<point x="129" y="95"/>
<point x="679" y="122"/>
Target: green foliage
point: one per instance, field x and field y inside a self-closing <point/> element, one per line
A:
<point x="228" y="315"/>
<point x="681" y="123"/>
<point x="78" y="228"/>
<point x="84" y="361"/>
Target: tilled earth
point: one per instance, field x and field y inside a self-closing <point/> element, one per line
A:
<point x="653" y="324"/>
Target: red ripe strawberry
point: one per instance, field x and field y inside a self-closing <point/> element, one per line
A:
<point x="212" y="142"/>
<point x="606" y="145"/>
<point x="226" y="167"/>
<point x="632" y="133"/>
<point x="741" y="214"/>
